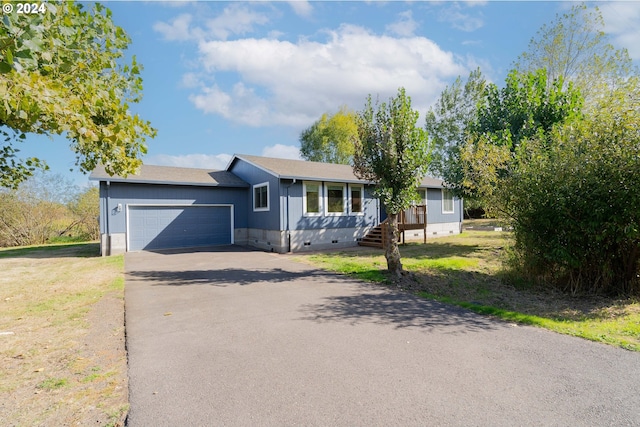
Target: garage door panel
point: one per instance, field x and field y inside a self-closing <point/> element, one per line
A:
<point x="164" y="227"/>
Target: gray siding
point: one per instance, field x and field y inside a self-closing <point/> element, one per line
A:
<point x="268" y="220"/>
<point x="127" y="193"/>
<point x="434" y="208"/>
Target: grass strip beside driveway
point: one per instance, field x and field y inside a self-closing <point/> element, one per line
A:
<point x="466" y="270"/>
<point x="62" y="353"/>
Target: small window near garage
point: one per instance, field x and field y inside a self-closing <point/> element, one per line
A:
<point x="355" y="199"/>
<point x="311" y="198"/>
<point x="335" y="199"/>
<point x="447" y="202"/>
<point x="261" y="197"/>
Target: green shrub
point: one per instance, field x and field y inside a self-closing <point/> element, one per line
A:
<point x="575" y="203"/>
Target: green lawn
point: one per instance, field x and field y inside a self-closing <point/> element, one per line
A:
<point x="466" y="270"/>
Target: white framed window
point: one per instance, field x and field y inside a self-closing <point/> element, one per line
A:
<point x="356" y="199"/>
<point x="336" y="198"/>
<point x="423" y="196"/>
<point x="261" y="197"/>
<point x="311" y="198"/>
<point x="447" y="201"/>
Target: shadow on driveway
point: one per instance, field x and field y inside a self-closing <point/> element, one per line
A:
<point x="395" y="308"/>
<point x="226" y="276"/>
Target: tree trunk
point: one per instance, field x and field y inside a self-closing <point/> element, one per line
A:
<point x="391" y="250"/>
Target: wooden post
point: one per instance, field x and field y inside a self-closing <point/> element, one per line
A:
<point x="424" y="236"/>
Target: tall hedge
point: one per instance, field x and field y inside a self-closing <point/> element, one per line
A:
<point x="575" y="203"/>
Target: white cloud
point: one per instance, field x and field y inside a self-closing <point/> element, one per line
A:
<point x="190" y="81"/>
<point x="286" y="83"/>
<point x="203" y="161"/>
<point x="622" y="22"/>
<point x="178" y="29"/>
<point x="460" y="20"/>
<point x="235" y="19"/>
<point x="405" y="26"/>
<point x="301" y="7"/>
<point x="282" y="152"/>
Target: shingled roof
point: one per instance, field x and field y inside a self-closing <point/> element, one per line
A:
<point x="313" y="171"/>
<point x="150" y="174"/>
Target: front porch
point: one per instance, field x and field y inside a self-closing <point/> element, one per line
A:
<point x="414" y="218"/>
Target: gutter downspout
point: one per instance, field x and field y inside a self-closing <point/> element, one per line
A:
<point x="107" y="220"/>
<point x="288" y="230"/>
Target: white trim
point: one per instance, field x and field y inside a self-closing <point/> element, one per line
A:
<point x="177" y="205"/>
<point x="350" y="199"/>
<point x="253" y="196"/>
<point x="304" y="198"/>
<point x="344" y="198"/>
<point x="453" y="206"/>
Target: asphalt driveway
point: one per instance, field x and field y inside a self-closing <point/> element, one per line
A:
<point x="245" y="338"/>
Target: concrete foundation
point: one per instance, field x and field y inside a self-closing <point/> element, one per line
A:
<point x="434" y="230"/>
<point x="113" y="244"/>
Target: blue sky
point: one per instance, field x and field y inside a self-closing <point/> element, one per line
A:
<point x="247" y="77"/>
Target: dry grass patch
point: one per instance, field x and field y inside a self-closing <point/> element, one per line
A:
<point x="62" y="354"/>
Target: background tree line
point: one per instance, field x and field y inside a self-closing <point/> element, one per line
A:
<point x="46" y="208"/>
<point x="554" y="152"/>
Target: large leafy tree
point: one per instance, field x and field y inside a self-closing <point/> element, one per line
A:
<point x="526" y="107"/>
<point x="393" y="153"/>
<point x="63" y="72"/>
<point x="330" y="138"/>
<point x="449" y="122"/>
<point x="575" y="47"/>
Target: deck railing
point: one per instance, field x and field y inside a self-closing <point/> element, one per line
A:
<point x="414" y="218"/>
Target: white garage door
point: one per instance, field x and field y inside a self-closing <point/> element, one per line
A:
<point x="165" y="227"/>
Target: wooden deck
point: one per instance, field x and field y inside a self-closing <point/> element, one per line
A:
<point x="414" y="218"/>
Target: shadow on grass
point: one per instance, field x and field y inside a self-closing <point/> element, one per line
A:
<point x="396" y="308"/>
<point x="472" y="288"/>
<point x="432" y="250"/>
<point x="438" y="250"/>
<point x="75" y="250"/>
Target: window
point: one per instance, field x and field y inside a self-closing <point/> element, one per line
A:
<point x="261" y="197"/>
<point x="355" y="200"/>
<point x="447" y="202"/>
<point x="311" y="198"/>
<point x="335" y="199"/>
<point x="423" y="197"/>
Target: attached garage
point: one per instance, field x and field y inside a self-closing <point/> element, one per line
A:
<point x="172" y="226"/>
<point x="164" y="207"/>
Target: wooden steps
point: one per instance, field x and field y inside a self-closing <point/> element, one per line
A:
<point x="373" y="238"/>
